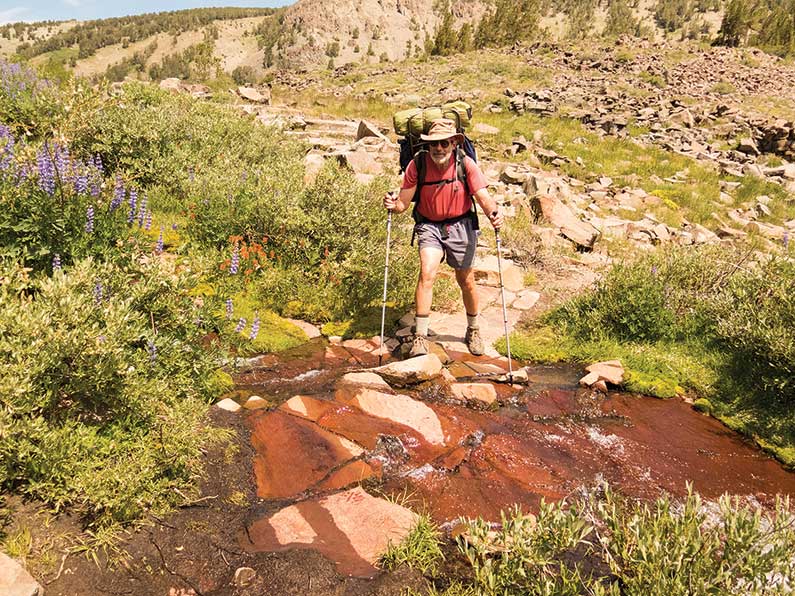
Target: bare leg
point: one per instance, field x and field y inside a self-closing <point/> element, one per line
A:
<point x="469" y="292"/>
<point x="430" y="258"/>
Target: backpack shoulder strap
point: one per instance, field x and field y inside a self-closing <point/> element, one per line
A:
<point x="420" y="164"/>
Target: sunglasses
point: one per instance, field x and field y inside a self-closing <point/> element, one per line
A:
<point x="444" y="144"/>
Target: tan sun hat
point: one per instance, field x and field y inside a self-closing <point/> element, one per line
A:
<point x="442" y="129"/>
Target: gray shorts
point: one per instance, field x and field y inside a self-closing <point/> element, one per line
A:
<point x="457" y="240"/>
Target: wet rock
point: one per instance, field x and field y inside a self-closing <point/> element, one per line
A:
<point x="228" y="404"/>
<point x="352" y="528"/>
<point x="351" y="473"/>
<point x="609" y="370"/>
<point x="307" y="407"/>
<point x="15" y="581"/>
<point x="411" y="371"/>
<point x="476" y="392"/>
<point x="255" y="402"/>
<point x="293" y="454"/>
<point x="352" y="381"/>
<point x="401" y="409"/>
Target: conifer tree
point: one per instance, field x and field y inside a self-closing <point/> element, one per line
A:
<point x="620" y="19"/>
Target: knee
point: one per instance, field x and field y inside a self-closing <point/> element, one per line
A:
<point x="426" y="278"/>
<point x="466" y="282"/>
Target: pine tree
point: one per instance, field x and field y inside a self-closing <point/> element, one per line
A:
<point x="620" y="19"/>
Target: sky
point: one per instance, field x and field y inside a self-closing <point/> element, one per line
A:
<point x="84" y="10"/>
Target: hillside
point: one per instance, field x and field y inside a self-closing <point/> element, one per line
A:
<point x="312" y="34"/>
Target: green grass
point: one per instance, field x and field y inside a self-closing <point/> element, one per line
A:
<point x="420" y="550"/>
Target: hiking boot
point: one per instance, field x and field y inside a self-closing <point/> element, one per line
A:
<point x="419" y="347"/>
<point x="473" y="341"/>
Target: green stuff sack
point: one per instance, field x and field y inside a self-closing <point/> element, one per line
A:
<point x="407" y="121"/>
<point x="417" y="121"/>
<point x="459" y="112"/>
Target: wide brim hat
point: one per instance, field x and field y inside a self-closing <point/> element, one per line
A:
<point x="441" y="129"/>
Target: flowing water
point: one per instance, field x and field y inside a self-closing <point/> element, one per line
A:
<point x="546" y="440"/>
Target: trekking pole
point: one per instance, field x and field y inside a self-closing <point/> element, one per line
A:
<point x="504" y="311"/>
<point x="386" y="277"/>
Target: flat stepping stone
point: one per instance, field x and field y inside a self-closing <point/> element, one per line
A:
<point x="352" y="529"/>
<point x="400" y="409"/>
<point x="15" y="580"/>
<point x="293" y="454"/>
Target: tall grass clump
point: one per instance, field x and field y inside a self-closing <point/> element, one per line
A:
<point x="103" y="387"/>
<point x="604" y="544"/>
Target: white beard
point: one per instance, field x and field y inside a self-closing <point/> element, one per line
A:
<point x="442" y="162"/>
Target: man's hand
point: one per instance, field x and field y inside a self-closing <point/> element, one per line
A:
<point x="390" y="200"/>
<point x="496" y="218"/>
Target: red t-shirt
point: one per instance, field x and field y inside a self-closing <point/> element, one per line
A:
<point x="444" y="201"/>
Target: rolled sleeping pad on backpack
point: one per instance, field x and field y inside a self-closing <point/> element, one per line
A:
<point x="417" y="121"/>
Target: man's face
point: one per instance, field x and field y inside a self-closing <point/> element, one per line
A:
<point x="441" y="151"/>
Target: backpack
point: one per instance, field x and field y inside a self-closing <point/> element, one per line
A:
<point x="409" y="124"/>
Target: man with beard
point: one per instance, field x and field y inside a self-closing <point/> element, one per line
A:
<point x="446" y="224"/>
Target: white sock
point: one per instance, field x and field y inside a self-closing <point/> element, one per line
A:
<point x="472" y="321"/>
<point x="422" y="322"/>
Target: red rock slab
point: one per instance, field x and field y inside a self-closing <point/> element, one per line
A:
<point x="366" y="351"/>
<point x="352" y="529"/>
<point x="553" y="403"/>
<point x="401" y="409"/>
<point x="293" y="454"/>
<point x="307" y="407"/>
<point x="350" y="473"/>
<point x="336" y="356"/>
<point x="466" y="493"/>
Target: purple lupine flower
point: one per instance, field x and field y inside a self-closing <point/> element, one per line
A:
<point x="56" y="262"/>
<point x="152" y="349"/>
<point x="159" y="247"/>
<point x="61" y="159"/>
<point x="785" y="240"/>
<point x="46" y="170"/>
<point x="89" y="219"/>
<point x="81" y="182"/>
<point x="133" y="203"/>
<point x="148" y="221"/>
<point x="142" y="211"/>
<point x="654" y="269"/>
<point x="234" y="266"/>
<point x="229" y="309"/>
<point x="6" y="147"/>
<point x="241" y="324"/>
<point x="98" y="293"/>
<point x="118" y="194"/>
<point x="254" y="328"/>
<point x="174" y="226"/>
<point x="97" y="163"/>
<point x="190" y="173"/>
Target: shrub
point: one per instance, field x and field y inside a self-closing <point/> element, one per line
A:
<point x="102" y="385"/>
<point x="54" y="207"/>
<point x="28" y="103"/>
<point x="608" y="545"/>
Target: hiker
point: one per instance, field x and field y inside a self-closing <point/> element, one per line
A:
<point x="445" y="228"/>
